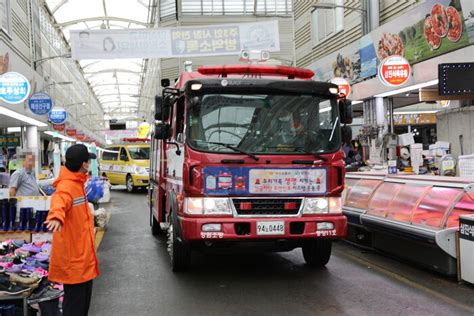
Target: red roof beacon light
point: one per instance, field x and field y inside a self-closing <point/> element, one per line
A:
<point x="269" y="70"/>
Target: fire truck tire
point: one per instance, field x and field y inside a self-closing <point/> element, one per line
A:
<point x="317" y="252"/>
<point x="178" y="249"/>
<point x="129" y="184"/>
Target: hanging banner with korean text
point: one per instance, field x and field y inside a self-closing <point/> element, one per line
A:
<point x="40" y="103"/>
<point x="211" y="40"/>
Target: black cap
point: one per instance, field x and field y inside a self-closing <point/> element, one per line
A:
<point x="77" y="154"/>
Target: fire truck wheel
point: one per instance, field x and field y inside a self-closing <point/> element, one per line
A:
<point x="316" y="253"/>
<point x="129" y="184"/>
<point x="179" y="250"/>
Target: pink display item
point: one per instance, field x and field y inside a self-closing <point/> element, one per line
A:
<point x="41" y="271"/>
<point x="6" y="265"/>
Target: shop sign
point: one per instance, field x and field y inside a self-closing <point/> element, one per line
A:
<point x="40" y="103"/>
<point x="414" y="119"/>
<point x="9" y="141"/>
<point x="466" y="228"/>
<point x="343" y="84"/>
<point x="14" y="88"/>
<point x="57" y="116"/>
<point x="59" y="127"/>
<point x="394" y="71"/>
<point x="80" y="136"/>
<point x="71" y="132"/>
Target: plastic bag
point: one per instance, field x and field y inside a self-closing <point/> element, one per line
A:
<point x="94" y="189"/>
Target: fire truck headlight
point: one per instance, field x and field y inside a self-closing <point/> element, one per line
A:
<point x="316" y="206"/>
<point x="208" y="206"/>
<point x="330" y="205"/>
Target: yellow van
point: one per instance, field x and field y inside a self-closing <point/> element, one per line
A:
<point x="127" y="164"/>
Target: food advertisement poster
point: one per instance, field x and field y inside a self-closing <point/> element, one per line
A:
<point x="431" y="29"/>
<point x="247" y="181"/>
<point x="354" y="63"/>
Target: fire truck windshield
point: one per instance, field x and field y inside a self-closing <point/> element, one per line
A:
<point x="264" y="124"/>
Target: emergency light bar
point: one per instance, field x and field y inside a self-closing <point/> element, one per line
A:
<point x="269" y="70"/>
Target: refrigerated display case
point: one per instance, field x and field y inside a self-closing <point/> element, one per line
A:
<point x="413" y="217"/>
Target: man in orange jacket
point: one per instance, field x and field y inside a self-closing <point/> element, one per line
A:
<point x="73" y="258"/>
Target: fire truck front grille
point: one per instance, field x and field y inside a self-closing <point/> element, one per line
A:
<point x="258" y="207"/>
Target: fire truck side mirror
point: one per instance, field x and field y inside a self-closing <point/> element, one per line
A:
<point x="162" y="131"/>
<point x="165" y="83"/>
<point x="158" y="108"/>
<point x="345" y="110"/>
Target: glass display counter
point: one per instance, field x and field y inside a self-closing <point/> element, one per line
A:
<point x="409" y="215"/>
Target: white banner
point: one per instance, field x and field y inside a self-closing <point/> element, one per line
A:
<point x="211" y="40"/>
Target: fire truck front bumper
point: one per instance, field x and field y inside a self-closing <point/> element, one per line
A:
<point x="240" y="229"/>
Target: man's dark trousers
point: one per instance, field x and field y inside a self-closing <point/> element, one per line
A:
<point x="77" y="299"/>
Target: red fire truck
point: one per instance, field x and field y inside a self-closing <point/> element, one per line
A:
<point x="248" y="154"/>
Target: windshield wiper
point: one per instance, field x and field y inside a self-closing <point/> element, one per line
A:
<point x="234" y="149"/>
<point x="319" y="156"/>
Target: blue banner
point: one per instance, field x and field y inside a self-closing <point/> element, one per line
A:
<point x="14" y="88"/>
<point x="57" y="116"/>
<point x="40" y="103"/>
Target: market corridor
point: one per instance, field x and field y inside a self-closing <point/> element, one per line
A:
<point x="137" y="280"/>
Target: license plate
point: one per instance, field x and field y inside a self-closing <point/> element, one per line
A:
<point x="271" y="228"/>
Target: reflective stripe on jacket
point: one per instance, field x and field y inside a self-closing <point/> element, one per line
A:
<point x="73" y="257"/>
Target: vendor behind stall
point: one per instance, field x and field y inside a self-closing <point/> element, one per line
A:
<point x="23" y="181"/>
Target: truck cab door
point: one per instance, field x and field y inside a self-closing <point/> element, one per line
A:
<point x="175" y="159"/>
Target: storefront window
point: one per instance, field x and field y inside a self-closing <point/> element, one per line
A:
<point x="167" y="8"/>
<point x="5" y="16"/>
<point x="236" y="7"/>
<point x="326" y="22"/>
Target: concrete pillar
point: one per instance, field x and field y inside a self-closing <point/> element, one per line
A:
<point x="32" y="140"/>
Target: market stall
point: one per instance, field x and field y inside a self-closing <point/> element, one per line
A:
<point x="413" y="217"/>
